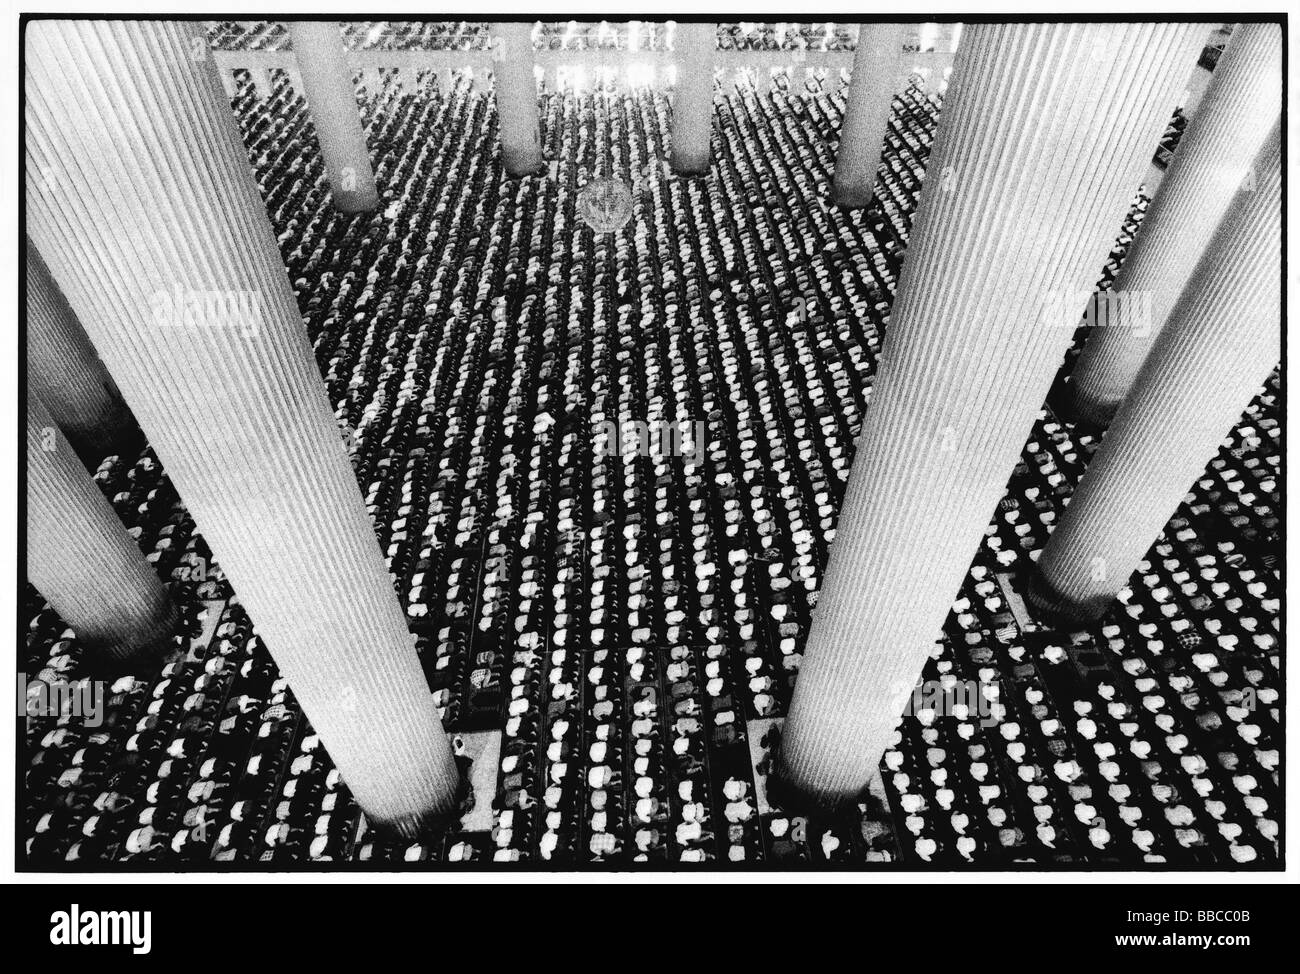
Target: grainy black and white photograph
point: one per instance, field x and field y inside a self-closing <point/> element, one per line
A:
<point x="710" y="444"/>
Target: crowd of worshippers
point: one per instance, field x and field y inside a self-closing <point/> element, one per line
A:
<point x="630" y="623"/>
<point x="547" y="36"/>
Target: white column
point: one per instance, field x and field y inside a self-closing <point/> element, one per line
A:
<point x="1212" y="160"/>
<point x="694" y="46"/>
<point x="332" y="100"/>
<point x="1042" y="131"/>
<point x="866" y="114"/>
<point x="515" y="86"/>
<point x="1222" y="341"/>
<point x="80" y="557"/>
<point x="164" y="250"/>
<point x="65" y="373"/>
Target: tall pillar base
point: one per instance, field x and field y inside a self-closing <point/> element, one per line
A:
<point x="784" y="792"/>
<point x="81" y="558"/>
<point x="430" y="821"/>
<point x="854" y="197"/>
<point x="514" y="84"/>
<point x="354" y="202"/>
<point x="865" y="122"/>
<point x="692" y="111"/>
<point x="143" y="653"/>
<point x="687" y="163"/>
<point x="1093" y="416"/>
<point x="326" y="79"/>
<point x="1060" y="610"/>
<point x="521" y="161"/>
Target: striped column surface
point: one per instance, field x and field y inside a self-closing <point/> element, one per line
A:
<point x="165" y="251"/>
<point x="332" y="100"/>
<point x="1043" y="136"/>
<point x="79" y="555"/>
<point x="515" y="87"/>
<point x="866" y="115"/>
<point x="1222" y="341"/>
<point x="65" y="373"/>
<point x="692" y="131"/>
<point x="1213" y="159"/>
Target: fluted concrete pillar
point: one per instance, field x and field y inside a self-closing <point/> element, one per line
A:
<point x="1212" y="160"/>
<point x="65" y="373"/>
<point x="1222" y="341"/>
<point x="79" y="555"/>
<point x="1042" y="132"/>
<point x="866" y="113"/>
<point x="332" y="100"/>
<point x="515" y="86"/>
<point x="694" y="45"/>
<point x="180" y="283"/>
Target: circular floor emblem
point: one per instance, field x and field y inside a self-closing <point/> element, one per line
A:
<point x="605" y="204"/>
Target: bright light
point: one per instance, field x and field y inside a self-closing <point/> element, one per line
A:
<point x="641" y="74"/>
<point x="929" y="34"/>
<point x="633" y="36"/>
<point x="956" y="36"/>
